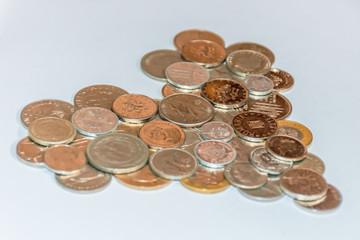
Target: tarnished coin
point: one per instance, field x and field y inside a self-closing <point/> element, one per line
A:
<point x="217" y="131"/>
<point x="225" y="93"/>
<point x="226" y="115"/>
<point x="296" y="130"/>
<point x="186" y="110"/>
<point x="46" y="108"/>
<point x="173" y="163"/>
<point x="64" y="159"/>
<point x="88" y="179"/>
<point x="286" y="148"/>
<point x="135" y="108"/>
<point x="251" y="46"/>
<point x="186" y="75"/>
<point x="244" y="175"/>
<point x="312" y="162"/>
<point x="269" y="192"/>
<point x="303" y="184"/>
<point x="51" y="131"/>
<point x="81" y="142"/>
<point x="264" y="162"/>
<point x="94" y="121"/>
<point x="282" y="80"/>
<point x="195" y="34"/>
<point x="243" y="148"/>
<point x="192" y="138"/>
<point x="258" y="85"/>
<point x="206" y="53"/>
<point x="223" y="72"/>
<point x="154" y="63"/>
<point x="168" y="90"/>
<point x="162" y="134"/>
<point x="254" y="126"/>
<point x="30" y="152"/>
<point x="130" y="128"/>
<point x="98" y="96"/>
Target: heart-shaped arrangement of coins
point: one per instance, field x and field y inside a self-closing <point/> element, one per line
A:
<point x="217" y="125"/>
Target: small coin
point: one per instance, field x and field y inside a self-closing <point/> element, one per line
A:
<point x="168" y="90"/>
<point x="192" y="138"/>
<point x="94" y="121"/>
<point x="223" y="72"/>
<point x="226" y="115"/>
<point x="251" y="46"/>
<point x="244" y="175"/>
<point x="243" y="148"/>
<point x="206" y="53"/>
<point x="154" y="63"/>
<point x="282" y="80"/>
<point x="46" y="108"/>
<point x="217" y="131"/>
<point x="225" y="93"/>
<point x="173" y="163"/>
<point x="51" y="131"/>
<point x="30" y="152"/>
<point x="80" y="142"/>
<point x="269" y="192"/>
<point x="196" y="34"/>
<point x="264" y="162"/>
<point x="130" y="128"/>
<point x="296" y="130"/>
<point x="98" y="96"/>
<point x="162" y="134"/>
<point x="312" y="162"/>
<point x="286" y="148"/>
<point x="258" y="85"/>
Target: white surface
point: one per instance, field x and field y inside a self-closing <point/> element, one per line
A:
<point x="52" y="49"/>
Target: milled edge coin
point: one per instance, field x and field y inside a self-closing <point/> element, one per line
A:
<point x="30" y="153"/>
<point x="216" y="130"/>
<point x="282" y="80"/>
<point x="244" y="175"/>
<point x="264" y="162"/>
<point x="306" y="137"/>
<point x="282" y="147"/>
<point x="271" y="191"/>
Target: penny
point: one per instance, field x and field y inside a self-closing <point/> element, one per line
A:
<point x="30" y="152"/>
<point x="186" y="110"/>
<point x="269" y="192"/>
<point x="303" y="184"/>
<point x="217" y="131"/>
<point x="254" y="126"/>
<point x="64" y="159"/>
<point x="206" y="53"/>
<point x="51" y="131"/>
<point x="282" y="80"/>
<point x="296" y="130"/>
<point x="206" y="181"/>
<point x="173" y="164"/>
<point x="80" y="142"/>
<point x="225" y="93"/>
<point x="186" y="75"/>
<point x="251" y="46"/>
<point x="264" y="162"/>
<point x="98" y="96"/>
<point x="258" y="85"/>
<point x="161" y="134"/>
<point x="117" y="153"/>
<point x="154" y="63"/>
<point x="168" y="90"/>
<point x="88" y="179"/>
<point x="226" y="115"/>
<point x="46" y="108"/>
<point x="94" y="121"/>
<point x="312" y="162"/>
<point x="244" y="175"/>
<point x="130" y="128"/>
<point x="286" y="148"/>
<point x="192" y="138"/>
<point x="214" y="154"/>
<point x="196" y="34"/>
<point x="223" y="72"/>
<point x="135" y="108"/>
<point x="243" y="149"/>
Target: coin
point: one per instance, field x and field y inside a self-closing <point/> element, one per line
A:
<point x="217" y="131"/>
<point x="264" y="162"/>
<point x="117" y="153"/>
<point x="186" y="75"/>
<point x="223" y="72"/>
<point x="51" y="131"/>
<point x="303" y="184"/>
<point x="64" y="159"/>
<point x="161" y="134"/>
<point x="296" y="130"/>
<point x="186" y="110"/>
<point x="196" y="34"/>
<point x="173" y="163"/>
<point x="130" y="128"/>
<point x="94" y="121"/>
<point x="192" y="138"/>
<point x="80" y="142"/>
<point x="226" y="115"/>
<point x="244" y="175"/>
<point x="88" y="179"/>
<point x="135" y="108"/>
<point x="168" y="90"/>
<point x="251" y="46"/>
<point x="282" y="80"/>
<point x="269" y="192"/>
<point x="225" y="93"/>
<point x="312" y="162"/>
<point x="154" y="63"/>
<point x="46" y="108"/>
<point x="286" y="148"/>
<point x="243" y="148"/>
<point x="98" y="96"/>
<point x="258" y="85"/>
<point x="30" y="152"/>
<point x="206" y="53"/>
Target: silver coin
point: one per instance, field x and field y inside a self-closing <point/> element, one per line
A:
<point x="264" y="162"/>
<point x="215" y="130"/>
<point x="312" y="162"/>
<point x="192" y="138"/>
<point x="269" y="192"/>
<point x="258" y="85"/>
<point x="244" y="175"/>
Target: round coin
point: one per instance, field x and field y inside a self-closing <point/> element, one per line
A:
<point x="244" y="175"/>
<point x="130" y="128"/>
<point x="30" y="152"/>
<point x="226" y="115"/>
<point x="296" y="130"/>
<point x="243" y="148"/>
<point x="223" y="72"/>
<point x="168" y="90"/>
<point x="282" y="80"/>
<point x="196" y="34"/>
<point x="217" y="131"/>
<point x="286" y="148"/>
<point x="312" y="162"/>
<point x="186" y="75"/>
<point x="269" y="192"/>
<point x="80" y="142"/>
<point x="258" y="85"/>
<point x="264" y="162"/>
<point x="251" y="46"/>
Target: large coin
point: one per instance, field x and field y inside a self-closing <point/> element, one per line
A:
<point x="264" y="162"/>
<point x="286" y="148"/>
<point x="196" y="34"/>
<point x="251" y="46"/>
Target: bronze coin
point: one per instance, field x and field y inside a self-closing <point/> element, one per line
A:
<point x="98" y="96"/>
<point x="46" y="108"/>
<point x="168" y="90"/>
<point x="254" y="126"/>
<point x="282" y="80"/>
<point x="81" y="142"/>
<point x="129" y="128"/>
<point x="30" y="152"/>
<point x="244" y="62"/>
<point x="196" y="34"/>
<point x="203" y="52"/>
<point x="225" y="93"/>
<point x="186" y="75"/>
<point x="223" y="72"/>
<point x="286" y="148"/>
<point x="251" y="46"/>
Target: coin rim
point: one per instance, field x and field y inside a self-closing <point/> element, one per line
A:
<point x="286" y="159"/>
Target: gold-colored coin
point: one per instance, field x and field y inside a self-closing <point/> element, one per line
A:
<point x="296" y="130"/>
<point x="129" y="128"/>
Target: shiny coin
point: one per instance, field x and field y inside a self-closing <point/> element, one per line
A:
<point x="244" y="175"/>
<point x="296" y="130"/>
<point x="223" y="72"/>
<point x="81" y="142"/>
<point x="311" y="162"/>
<point x="117" y="153"/>
<point x="217" y="131"/>
<point x="30" y="152"/>
<point x="51" y="131"/>
<point x="269" y="192"/>
<point x="243" y="148"/>
<point x="264" y="162"/>
<point x="196" y="34"/>
<point x="94" y="121"/>
<point x="251" y="46"/>
<point x="282" y="80"/>
<point x="226" y="115"/>
<point x="258" y="85"/>
<point x="130" y="128"/>
<point x="286" y="148"/>
<point x="192" y="138"/>
<point x="168" y="90"/>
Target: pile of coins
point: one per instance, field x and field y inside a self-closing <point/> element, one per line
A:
<point x="217" y="125"/>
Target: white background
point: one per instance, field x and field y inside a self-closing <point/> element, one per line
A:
<point x="52" y="49"/>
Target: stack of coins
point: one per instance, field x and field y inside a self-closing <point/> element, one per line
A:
<point x="217" y="125"/>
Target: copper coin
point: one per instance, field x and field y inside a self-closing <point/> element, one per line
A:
<point x="129" y="128"/>
<point x="269" y="192"/>
<point x="254" y="126"/>
<point x="251" y="46"/>
<point x="226" y="115"/>
<point x="223" y="72"/>
<point x="203" y="52"/>
<point x="94" y="121"/>
<point x="80" y="142"/>
<point x="98" y="96"/>
<point x="192" y="138"/>
<point x="244" y="175"/>
<point x="46" y="108"/>
<point x="243" y="62"/>
<point x="296" y="130"/>
<point x="225" y="93"/>
<point x="30" y="152"/>
<point x="162" y="134"/>
<point x="286" y="148"/>
<point x="258" y="85"/>
<point x="264" y="162"/>
<point x="135" y="108"/>
<point x="243" y="148"/>
<point x="154" y="63"/>
<point x="282" y="80"/>
<point x="186" y="110"/>
<point x="196" y="34"/>
<point x="303" y="184"/>
<point x="64" y="159"/>
<point x="186" y="75"/>
<point x="217" y="131"/>
<point x="168" y="90"/>
<point x="311" y="162"/>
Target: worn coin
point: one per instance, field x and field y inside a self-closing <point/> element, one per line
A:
<point x="269" y="192"/>
<point x="217" y="131"/>
<point x="186" y="75"/>
<point x="286" y="148"/>
<point x="264" y="162"/>
<point x="258" y="85"/>
<point x="168" y="90"/>
<point x="196" y="34"/>
<point x="282" y="80"/>
<point x="130" y="128"/>
<point x="30" y="152"/>
<point x="244" y="175"/>
<point x="312" y="162"/>
<point x="296" y="130"/>
<point x="251" y="46"/>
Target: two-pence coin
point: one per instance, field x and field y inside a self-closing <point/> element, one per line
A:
<point x="30" y="152"/>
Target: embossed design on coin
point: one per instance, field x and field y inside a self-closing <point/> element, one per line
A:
<point x="130" y="128"/>
<point x="192" y="138"/>
<point x="286" y="148"/>
<point x="264" y="162"/>
<point x="186" y="75"/>
<point x="80" y="142"/>
<point x="244" y="175"/>
<point x="269" y="192"/>
<point x="296" y="130"/>
<point x="258" y="85"/>
<point x="214" y="154"/>
<point x="282" y="80"/>
<point x="168" y="90"/>
<point x="30" y="152"/>
<point x="217" y="131"/>
<point x="312" y="162"/>
<point x="251" y="46"/>
<point x="196" y="34"/>
<point x="243" y="62"/>
<point x="223" y="72"/>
